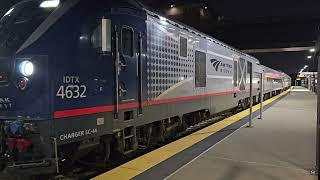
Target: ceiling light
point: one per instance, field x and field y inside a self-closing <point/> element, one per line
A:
<point x="309" y="57"/>
<point x="312" y="50"/>
<point x="50" y="4"/>
<point x="206" y="7"/>
<point x="162" y="18"/>
<point x="172" y="5"/>
<point x="8" y="13"/>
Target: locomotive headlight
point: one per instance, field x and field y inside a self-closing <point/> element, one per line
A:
<point x="26" y="68"/>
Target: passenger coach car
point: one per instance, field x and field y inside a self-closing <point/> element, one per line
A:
<point x="78" y="77"/>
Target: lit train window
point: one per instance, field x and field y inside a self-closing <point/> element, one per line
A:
<point x="200" y="69"/>
<point x="127" y="41"/>
<point x="183" y="47"/>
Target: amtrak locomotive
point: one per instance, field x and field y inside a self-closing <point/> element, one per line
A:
<point x="79" y="77"/>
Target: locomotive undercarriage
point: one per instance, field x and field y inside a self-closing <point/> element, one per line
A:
<point x="23" y="149"/>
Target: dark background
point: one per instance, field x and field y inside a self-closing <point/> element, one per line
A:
<point x="247" y="24"/>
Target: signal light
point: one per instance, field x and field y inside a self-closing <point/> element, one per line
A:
<point x="22" y="83"/>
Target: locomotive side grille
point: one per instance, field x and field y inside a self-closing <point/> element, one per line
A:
<point x="5" y="70"/>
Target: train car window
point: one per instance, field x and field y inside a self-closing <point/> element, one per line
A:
<point x="101" y="37"/>
<point x="200" y="69"/>
<point x="235" y="73"/>
<point x="249" y="71"/>
<point x="183" y="47"/>
<point x="127" y="41"/>
<point x="96" y="38"/>
<point x="249" y="68"/>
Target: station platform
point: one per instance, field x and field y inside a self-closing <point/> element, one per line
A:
<point x="281" y="145"/>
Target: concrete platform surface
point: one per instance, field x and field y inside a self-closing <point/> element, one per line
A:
<point x="281" y="146"/>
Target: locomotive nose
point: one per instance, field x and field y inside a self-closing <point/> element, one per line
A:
<point x="5" y="70"/>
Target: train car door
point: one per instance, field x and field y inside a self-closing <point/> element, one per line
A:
<point x="235" y="74"/>
<point x="129" y="30"/>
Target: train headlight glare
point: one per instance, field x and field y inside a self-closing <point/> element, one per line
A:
<point x="27" y="68"/>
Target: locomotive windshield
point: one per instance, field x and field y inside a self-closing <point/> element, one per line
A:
<point x="21" y="21"/>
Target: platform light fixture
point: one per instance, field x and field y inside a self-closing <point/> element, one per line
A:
<point x="172" y="5"/>
<point x="304" y="68"/>
<point x="309" y="57"/>
<point x="163" y="20"/>
<point x="50" y="4"/>
<point x="9" y="12"/>
<point x="312" y="50"/>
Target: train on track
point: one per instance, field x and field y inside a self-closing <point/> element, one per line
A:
<point x="80" y="77"/>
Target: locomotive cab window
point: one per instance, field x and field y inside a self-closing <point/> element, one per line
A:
<point x="183" y="47"/>
<point x="101" y="36"/>
<point x="127" y="41"/>
<point x="96" y="38"/>
<point x="201" y="70"/>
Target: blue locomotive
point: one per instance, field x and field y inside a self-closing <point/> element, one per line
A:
<point x="79" y="76"/>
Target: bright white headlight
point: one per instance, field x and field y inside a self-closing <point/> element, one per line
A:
<point x="27" y="68"/>
<point x="50" y="4"/>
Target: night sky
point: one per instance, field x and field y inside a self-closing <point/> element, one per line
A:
<point x="288" y="62"/>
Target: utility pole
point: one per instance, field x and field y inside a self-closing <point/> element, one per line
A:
<point x="317" y="167"/>
<point x="318" y="126"/>
<point x="249" y="66"/>
<point x="261" y="95"/>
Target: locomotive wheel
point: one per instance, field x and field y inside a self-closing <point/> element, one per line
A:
<point x="103" y="151"/>
<point x="107" y="151"/>
<point x="197" y="117"/>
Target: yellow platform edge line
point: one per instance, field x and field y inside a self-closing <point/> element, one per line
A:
<point x="137" y="166"/>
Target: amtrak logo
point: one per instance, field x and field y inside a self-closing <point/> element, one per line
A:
<point x="221" y="67"/>
<point x="215" y="64"/>
<point x="5" y="103"/>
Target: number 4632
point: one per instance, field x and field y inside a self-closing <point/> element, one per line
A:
<point x="72" y="92"/>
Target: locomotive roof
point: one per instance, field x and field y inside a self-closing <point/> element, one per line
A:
<point x="152" y="13"/>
